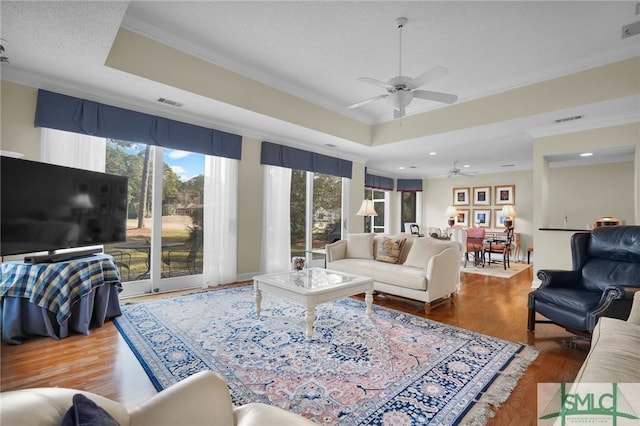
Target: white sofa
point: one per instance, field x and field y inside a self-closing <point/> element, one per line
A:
<point x="614" y="356"/>
<point x="201" y="399"/>
<point x="425" y="269"/>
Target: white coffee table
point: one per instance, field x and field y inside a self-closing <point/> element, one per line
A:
<point x="311" y="287"/>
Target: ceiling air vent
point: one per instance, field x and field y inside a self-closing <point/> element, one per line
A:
<point x="170" y="102"/>
<point x="564" y="120"/>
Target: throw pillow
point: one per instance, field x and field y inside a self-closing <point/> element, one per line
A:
<point x="389" y="250"/>
<point x="422" y="250"/>
<point x="86" y="412"/>
<point x="360" y="246"/>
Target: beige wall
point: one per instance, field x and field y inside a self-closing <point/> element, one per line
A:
<point x="249" y="208"/>
<point x="438" y="195"/>
<point x="585" y="193"/>
<point x="552" y="248"/>
<point x="18" y="133"/>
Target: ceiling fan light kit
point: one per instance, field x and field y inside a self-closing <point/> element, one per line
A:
<point x="402" y="89"/>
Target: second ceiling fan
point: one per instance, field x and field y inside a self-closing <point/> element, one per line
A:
<point x="401" y="89"/>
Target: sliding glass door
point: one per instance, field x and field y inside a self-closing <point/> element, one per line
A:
<point x="164" y="254"/>
<point x="315" y="214"/>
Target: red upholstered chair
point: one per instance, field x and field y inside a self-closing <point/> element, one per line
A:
<point x="475" y="246"/>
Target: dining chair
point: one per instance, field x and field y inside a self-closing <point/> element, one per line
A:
<point x="500" y="246"/>
<point x="475" y="246"/>
<point x="184" y="256"/>
<point x="415" y="230"/>
<point x="122" y="260"/>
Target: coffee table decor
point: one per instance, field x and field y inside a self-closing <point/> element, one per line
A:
<point x="393" y="368"/>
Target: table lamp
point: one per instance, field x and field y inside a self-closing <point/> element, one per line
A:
<point x="366" y="209"/>
<point x="509" y="214"/>
<point x="452" y="213"/>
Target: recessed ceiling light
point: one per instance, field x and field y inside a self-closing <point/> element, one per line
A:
<point x="466" y="166"/>
<point x="432" y="153"/>
<point x="401" y="167"/>
<point x="586" y="154"/>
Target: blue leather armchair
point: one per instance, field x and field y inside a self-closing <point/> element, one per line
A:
<point x="605" y="276"/>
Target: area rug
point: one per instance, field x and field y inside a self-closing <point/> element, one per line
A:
<point x="496" y="269"/>
<point x="392" y="369"/>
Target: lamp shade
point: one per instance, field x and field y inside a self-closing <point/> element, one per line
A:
<point x="366" y="209"/>
<point x="508" y="211"/>
<point x="451" y="211"/>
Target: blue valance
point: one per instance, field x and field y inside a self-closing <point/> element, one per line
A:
<point x="283" y="156"/>
<point x="77" y="115"/>
<point x="378" y="182"/>
<point x="409" y="185"/>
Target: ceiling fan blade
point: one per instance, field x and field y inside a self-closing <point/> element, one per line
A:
<point x="398" y="113"/>
<point x="425" y="77"/>
<point x="435" y="96"/>
<point x="366" y="101"/>
<point x="376" y="82"/>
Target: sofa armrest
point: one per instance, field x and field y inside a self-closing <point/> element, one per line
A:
<point x="202" y="398"/>
<point x="559" y="278"/>
<point x="443" y="272"/>
<point x="336" y="251"/>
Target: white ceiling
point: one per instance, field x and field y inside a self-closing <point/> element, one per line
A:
<point x="316" y="50"/>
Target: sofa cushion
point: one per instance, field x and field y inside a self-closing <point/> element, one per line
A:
<point x="390" y="273"/>
<point x="422" y="250"/>
<point x="615" y="353"/>
<point x="360" y="246"/>
<point x="389" y="250"/>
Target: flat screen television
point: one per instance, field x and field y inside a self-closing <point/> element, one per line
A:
<point x="45" y="207"/>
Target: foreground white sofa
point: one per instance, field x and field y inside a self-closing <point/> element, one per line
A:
<point x="201" y="399"/>
<point x="614" y="356"/>
<point x="426" y="269"/>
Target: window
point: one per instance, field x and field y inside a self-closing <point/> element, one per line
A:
<point x="379" y="204"/>
<point x="315" y="212"/>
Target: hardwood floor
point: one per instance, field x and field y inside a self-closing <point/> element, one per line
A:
<point x="102" y="362"/>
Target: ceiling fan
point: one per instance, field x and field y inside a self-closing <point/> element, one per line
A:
<point x="401" y="89"/>
<point x="455" y="171"/>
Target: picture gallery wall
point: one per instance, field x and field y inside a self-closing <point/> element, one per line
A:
<point x="481" y="206"/>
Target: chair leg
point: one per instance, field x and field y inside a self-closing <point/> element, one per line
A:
<point x="531" y="321"/>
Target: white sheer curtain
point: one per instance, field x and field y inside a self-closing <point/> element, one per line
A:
<point x="220" y="221"/>
<point x="73" y="150"/>
<point x="276" y="234"/>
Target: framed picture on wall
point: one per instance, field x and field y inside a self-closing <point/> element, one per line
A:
<point x="462" y="218"/>
<point x="505" y="194"/>
<point x="482" y="218"/>
<point x="461" y="196"/>
<point x="481" y="195"/>
<point x="498" y="221"/>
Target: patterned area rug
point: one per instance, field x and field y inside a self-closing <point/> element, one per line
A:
<point x="392" y="369"/>
<point x="496" y="269"/>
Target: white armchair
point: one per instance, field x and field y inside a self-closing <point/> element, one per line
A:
<point x="201" y="399"/>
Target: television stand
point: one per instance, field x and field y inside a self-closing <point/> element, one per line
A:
<point x="61" y="257"/>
